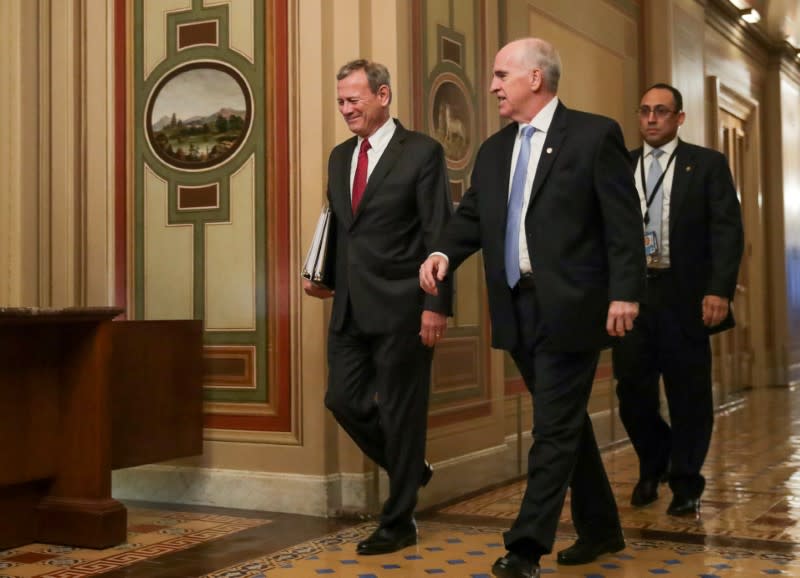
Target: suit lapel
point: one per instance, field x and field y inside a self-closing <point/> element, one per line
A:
<point x="684" y="165"/>
<point x="552" y="146"/>
<point x="503" y="167"/>
<point x="342" y="190"/>
<point x="383" y="168"/>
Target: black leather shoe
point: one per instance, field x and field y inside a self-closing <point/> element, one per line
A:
<point x="683" y="506"/>
<point x="426" y="475"/>
<point x="515" y="566"/>
<point x="584" y="551"/>
<point x="386" y="540"/>
<point x="645" y="492"/>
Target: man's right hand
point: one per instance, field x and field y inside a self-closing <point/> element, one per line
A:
<point x="314" y="290"/>
<point x="433" y="270"/>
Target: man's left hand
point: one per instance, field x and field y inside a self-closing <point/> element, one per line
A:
<point x="715" y="309"/>
<point x="620" y="317"/>
<point x="433" y="327"/>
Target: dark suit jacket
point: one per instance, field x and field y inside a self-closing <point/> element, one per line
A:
<point x="706" y="239"/>
<point x="405" y="206"/>
<point x="583" y="226"/>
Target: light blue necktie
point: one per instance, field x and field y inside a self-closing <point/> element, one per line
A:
<point x="657" y="206"/>
<point x="515" y="202"/>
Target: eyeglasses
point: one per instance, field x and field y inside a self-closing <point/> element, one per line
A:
<point x="660" y="111"/>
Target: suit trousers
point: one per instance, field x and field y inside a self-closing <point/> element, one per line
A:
<point x="564" y="452"/>
<point x="378" y="391"/>
<point x="659" y="346"/>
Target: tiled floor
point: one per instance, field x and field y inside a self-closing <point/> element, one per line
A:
<point x="749" y="524"/>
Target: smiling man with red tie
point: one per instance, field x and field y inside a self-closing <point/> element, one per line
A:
<point x="387" y="189"/>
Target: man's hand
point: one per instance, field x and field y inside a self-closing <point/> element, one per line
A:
<point x="432" y="327"/>
<point x="620" y="317"/>
<point x="715" y="309"/>
<point x="432" y="270"/>
<point x="314" y="290"/>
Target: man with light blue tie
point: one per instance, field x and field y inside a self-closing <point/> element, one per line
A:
<point x="693" y="242"/>
<point x="553" y="207"/>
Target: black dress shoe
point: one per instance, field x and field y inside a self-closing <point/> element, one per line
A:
<point x="584" y="551"/>
<point x="645" y="492"/>
<point x="683" y="506"/>
<point x="426" y="475"/>
<point x="515" y="566"/>
<point x="386" y="540"/>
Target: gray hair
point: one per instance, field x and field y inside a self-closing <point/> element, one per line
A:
<point x="377" y="74"/>
<point x="538" y="53"/>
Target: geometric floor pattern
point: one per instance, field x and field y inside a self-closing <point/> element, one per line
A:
<point x="469" y="551"/>
<point x="151" y="533"/>
<point x="752" y="479"/>
<point x="749" y="525"/>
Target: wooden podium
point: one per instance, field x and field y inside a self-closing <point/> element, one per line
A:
<point x="81" y="395"/>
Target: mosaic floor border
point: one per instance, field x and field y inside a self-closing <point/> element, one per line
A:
<point x="468" y="551"/>
<point x="151" y="533"/>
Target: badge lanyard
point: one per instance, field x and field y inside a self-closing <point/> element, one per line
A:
<point x="658" y="183"/>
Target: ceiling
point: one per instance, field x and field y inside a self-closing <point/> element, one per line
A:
<point x="780" y="19"/>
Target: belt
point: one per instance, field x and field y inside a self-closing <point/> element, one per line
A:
<point x="654" y="273"/>
<point x="526" y="281"/>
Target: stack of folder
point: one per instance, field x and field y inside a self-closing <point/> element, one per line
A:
<point x="318" y="266"/>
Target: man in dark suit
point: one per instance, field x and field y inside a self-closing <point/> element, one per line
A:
<point x="387" y="189"/>
<point x="553" y="206"/>
<point x="694" y="243"/>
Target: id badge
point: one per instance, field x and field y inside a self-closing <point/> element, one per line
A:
<point x="650" y="243"/>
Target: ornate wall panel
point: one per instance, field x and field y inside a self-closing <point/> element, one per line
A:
<point x="448" y="102"/>
<point x="208" y="228"/>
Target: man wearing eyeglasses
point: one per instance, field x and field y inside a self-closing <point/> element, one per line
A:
<point x="693" y="242"/>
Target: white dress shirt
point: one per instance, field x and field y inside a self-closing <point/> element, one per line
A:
<point x="378" y="143"/>
<point x="541" y="122"/>
<point x="666" y="186"/>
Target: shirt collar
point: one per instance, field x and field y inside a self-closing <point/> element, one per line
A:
<point x="541" y="122"/>
<point x="668" y="148"/>
<point x="381" y="137"/>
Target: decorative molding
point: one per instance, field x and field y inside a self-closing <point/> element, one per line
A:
<point x="723" y="17"/>
<point x="198" y="198"/>
<point x="205" y="33"/>
<point x="229" y="367"/>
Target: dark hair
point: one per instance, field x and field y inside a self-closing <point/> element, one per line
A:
<point x="377" y="74"/>
<point x="676" y="94"/>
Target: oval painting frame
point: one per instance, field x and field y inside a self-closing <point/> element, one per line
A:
<point x="451" y="119"/>
<point x="198" y="115"/>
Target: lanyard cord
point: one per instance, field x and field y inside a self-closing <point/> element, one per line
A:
<point x="658" y="182"/>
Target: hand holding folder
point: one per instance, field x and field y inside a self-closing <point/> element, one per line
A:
<point x="318" y="266"/>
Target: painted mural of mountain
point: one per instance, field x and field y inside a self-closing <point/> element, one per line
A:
<point x="162" y="122"/>
<point x="226" y="113"/>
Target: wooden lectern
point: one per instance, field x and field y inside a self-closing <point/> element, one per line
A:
<point x="80" y="395"/>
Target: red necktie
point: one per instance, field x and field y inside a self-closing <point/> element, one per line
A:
<point x="360" y="180"/>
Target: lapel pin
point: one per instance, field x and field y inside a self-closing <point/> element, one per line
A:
<point x="549" y="150"/>
<point x="688" y="168"/>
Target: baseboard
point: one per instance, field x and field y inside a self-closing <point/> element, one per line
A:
<point x="333" y="495"/>
<point x="248" y="490"/>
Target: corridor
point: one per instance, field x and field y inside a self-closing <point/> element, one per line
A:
<point x="749" y="525"/>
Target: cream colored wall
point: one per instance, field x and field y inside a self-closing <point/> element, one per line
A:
<point x="19" y="181"/>
<point x="57" y="204"/>
<point x="688" y="24"/>
<point x="599" y="46"/>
